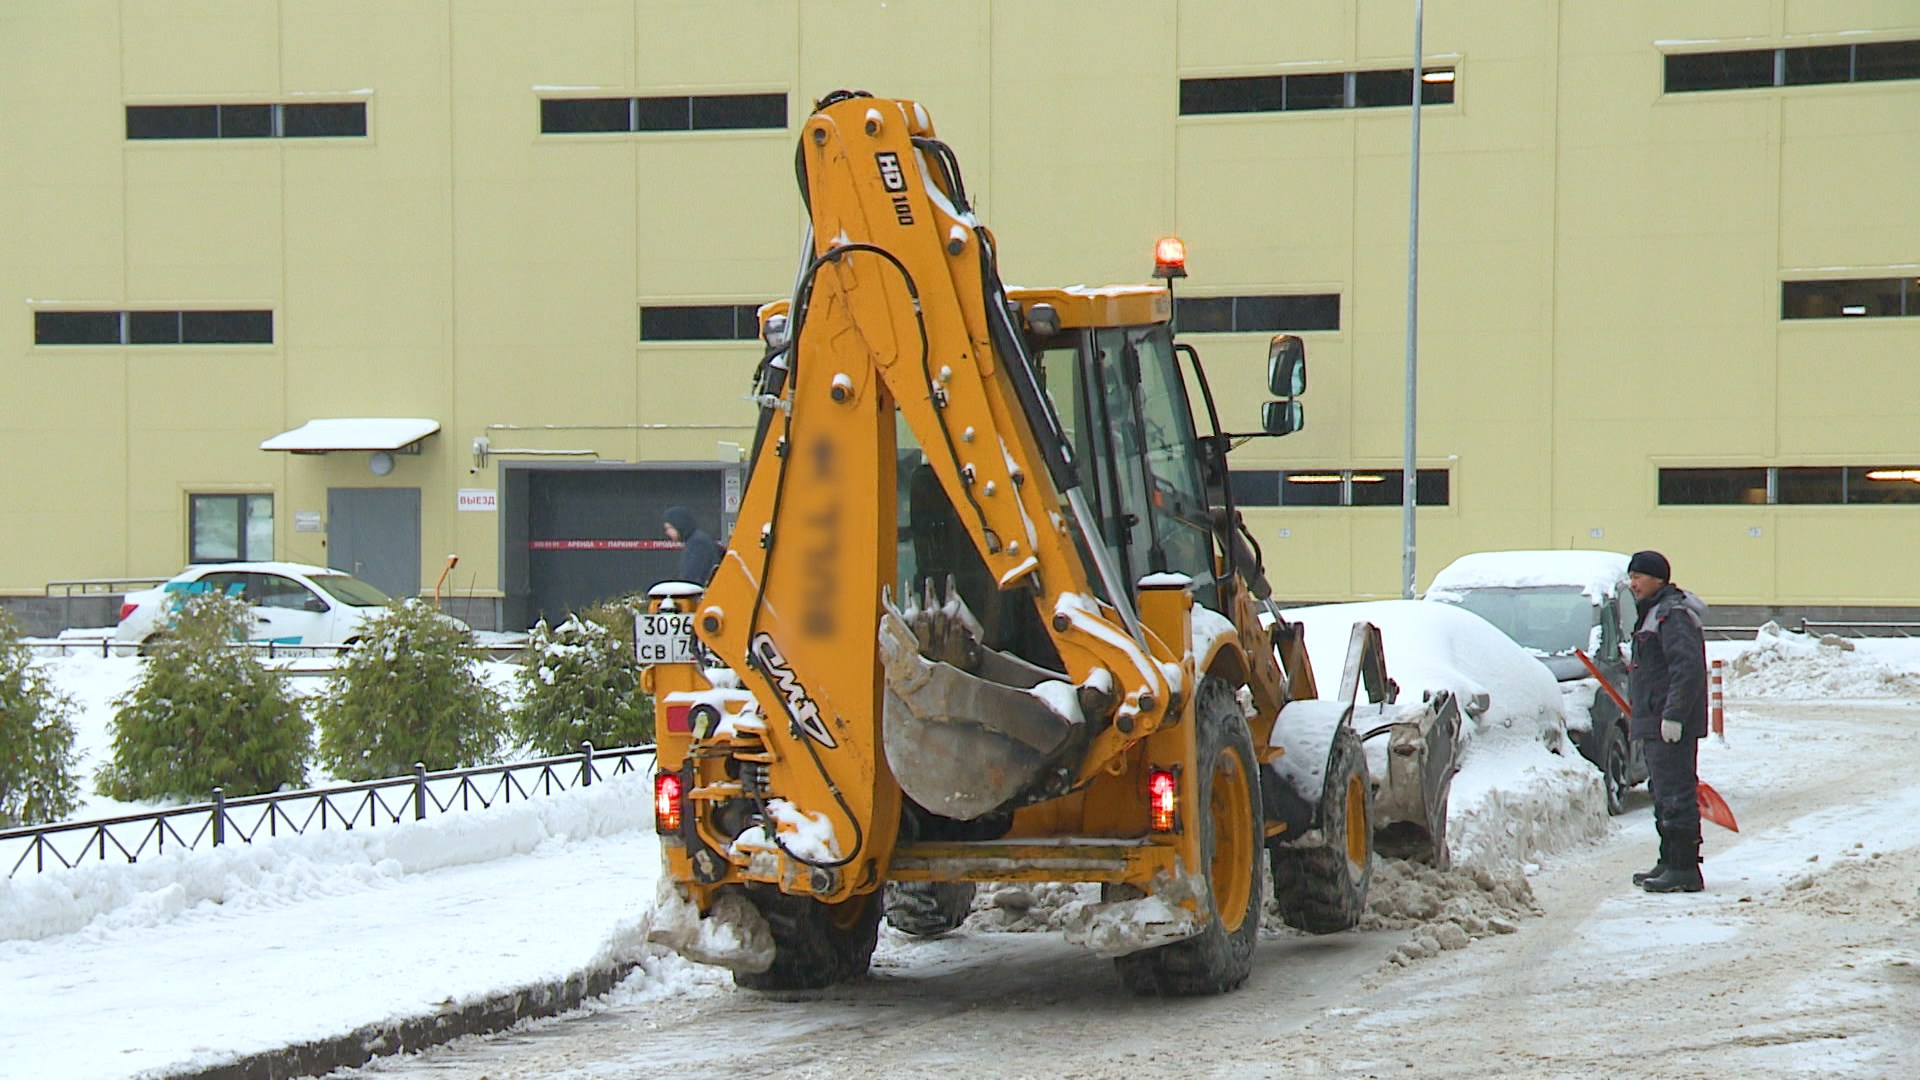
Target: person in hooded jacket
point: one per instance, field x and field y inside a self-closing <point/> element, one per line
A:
<point x="1668" y="683"/>
<point x="700" y="555"/>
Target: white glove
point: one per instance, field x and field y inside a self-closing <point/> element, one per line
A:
<point x="1669" y="731"/>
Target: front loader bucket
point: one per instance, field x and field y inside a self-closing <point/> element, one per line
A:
<point x="1412" y="783"/>
<point x="959" y="745"/>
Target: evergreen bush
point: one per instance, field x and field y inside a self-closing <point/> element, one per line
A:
<point x="37" y="782"/>
<point x="408" y="693"/>
<point x="205" y="714"/>
<point x="582" y="684"/>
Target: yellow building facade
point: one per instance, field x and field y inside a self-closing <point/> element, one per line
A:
<point x="1670" y="265"/>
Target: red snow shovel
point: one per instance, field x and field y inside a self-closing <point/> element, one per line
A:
<point x="1712" y="807"/>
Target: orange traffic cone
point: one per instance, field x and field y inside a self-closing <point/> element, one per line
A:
<point x="1715" y="809"/>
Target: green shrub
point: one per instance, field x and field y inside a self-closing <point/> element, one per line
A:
<point x="582" y="684"/>
<point x="205" y="714"/>
<point x="408" y="693"/>
<point x="37" y="783"/>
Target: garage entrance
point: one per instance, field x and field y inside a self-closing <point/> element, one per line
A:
<point x="574" y="535"/>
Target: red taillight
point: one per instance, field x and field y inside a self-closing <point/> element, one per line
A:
<point x="127" y="609"/>
<point x="666" y="802"/>
<point x="1163" y="799"/>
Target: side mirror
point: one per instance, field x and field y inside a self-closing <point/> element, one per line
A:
<point x="1286" y="366"/>
<point x="1283" y="417"/>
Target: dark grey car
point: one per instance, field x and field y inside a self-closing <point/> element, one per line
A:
<point x="1552" y="621"/>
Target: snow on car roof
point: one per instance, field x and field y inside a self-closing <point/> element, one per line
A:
<point x="1595" y="573"/>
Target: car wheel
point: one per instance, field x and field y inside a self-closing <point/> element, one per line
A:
<point x="1613" y="770"/>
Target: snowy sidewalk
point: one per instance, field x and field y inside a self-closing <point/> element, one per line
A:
<point x="194" y="960"/>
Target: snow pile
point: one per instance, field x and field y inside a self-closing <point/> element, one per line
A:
<point x="1877" y="887"/>
<point x="97" y="899"/>
<point x="1448" y="909"/>
<point x="1515" y="801"/>
<point x="1027" y="906"/>
<point x="1781" y="664"/>
<point x="734" y="934"/>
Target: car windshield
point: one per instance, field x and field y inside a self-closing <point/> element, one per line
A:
<point x="351" y="590"/>
<point x="1546" y="618"/>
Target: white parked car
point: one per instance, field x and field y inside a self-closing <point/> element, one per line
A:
<point x="292" y="603"/>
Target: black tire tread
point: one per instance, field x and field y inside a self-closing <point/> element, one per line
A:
<point x="1314" y="887"/>
<point x="809" y="951"/>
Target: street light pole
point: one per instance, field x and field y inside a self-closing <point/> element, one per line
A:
<point x="1410" y="470"/>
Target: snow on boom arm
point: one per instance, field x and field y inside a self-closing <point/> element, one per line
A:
<point x="900" y="306"/>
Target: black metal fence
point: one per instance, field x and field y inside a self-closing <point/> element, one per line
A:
<point x="370" y="804"/>
<point x="106" y="648"/>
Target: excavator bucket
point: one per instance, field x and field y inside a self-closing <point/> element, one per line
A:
<point x="1413" y="777"/>
<point x="1412" y="784"/>
<point x="965" y="737"/>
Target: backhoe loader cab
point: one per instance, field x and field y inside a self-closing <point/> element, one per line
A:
<point x="987" y="614"/>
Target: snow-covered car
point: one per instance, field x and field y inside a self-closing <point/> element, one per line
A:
<point x="1516" y="739"/>
<point x="1429" y="649"/>
<point x="291" y="603"/>
<point x="1552" y="603"/>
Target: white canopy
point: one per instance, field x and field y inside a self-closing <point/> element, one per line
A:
<point x="353" y="433"/>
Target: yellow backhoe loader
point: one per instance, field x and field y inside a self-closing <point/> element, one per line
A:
<point x="988" y="614"/>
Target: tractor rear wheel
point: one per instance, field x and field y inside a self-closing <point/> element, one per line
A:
<point x="1322" y="888"/>
<point x="814" y="944"/>
<point x="928" y="908"/>
<point x="1220" y="957"/>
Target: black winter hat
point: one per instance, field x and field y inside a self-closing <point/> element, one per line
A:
<point x="1650" y="563"/>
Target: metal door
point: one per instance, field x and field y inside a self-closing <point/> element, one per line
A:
<point x="374" y="534"/>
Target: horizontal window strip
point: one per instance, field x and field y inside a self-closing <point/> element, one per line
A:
<point x="1803" y="65"/>
<point x="1854" y="298"/>
<point x="700" y="322"/>
<point x="698" y="112"/>
<point x="1314" y="92"/>
<point x="1231" y="314"/>
<point x="306" y="120"/>
<point x="1791" y="485"/>
<point x="153" y="328"/>
<point x="1336" y="487"/>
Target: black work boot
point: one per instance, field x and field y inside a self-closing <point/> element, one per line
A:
<point x="1682" y="871"/>
<point x="1666" y="849"/>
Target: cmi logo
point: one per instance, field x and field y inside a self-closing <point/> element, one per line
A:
<point x="800" y="707"/>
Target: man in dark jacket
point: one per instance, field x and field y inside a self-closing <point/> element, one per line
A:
<point x="1669" y="689"/>
<point x="700" y="554"/>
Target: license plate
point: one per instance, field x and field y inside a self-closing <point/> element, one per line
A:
<point x="665" y="638"/>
